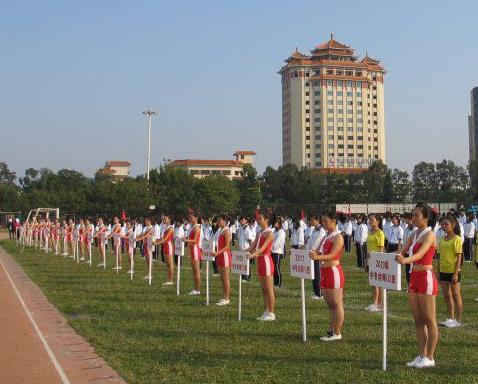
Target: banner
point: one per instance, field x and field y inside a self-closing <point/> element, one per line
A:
<point x="301" y="265"/>
<point x="207" y="250"/>
<point x="240" y="263"/>
<point x="384" y="271"/>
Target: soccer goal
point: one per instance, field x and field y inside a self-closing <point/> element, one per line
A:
<point x="46" y="213"/>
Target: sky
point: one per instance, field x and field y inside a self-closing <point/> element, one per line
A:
<point x="75" y="77"/>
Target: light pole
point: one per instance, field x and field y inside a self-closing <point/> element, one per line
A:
<point x="150" y="114"/>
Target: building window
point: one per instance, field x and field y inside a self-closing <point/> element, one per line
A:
<point x="331" y="137"/>
<point x="317" y="146"/>
<point x="317" y="93"/>
<point x="330" y="102"/>
<point x="205" y="172"/>
<point x="350" y="129"/>
<point x="330" y="110"/>
<point x="330" y="119"/>
<point x="330" y="146"/>
<point x="226" y="173"/>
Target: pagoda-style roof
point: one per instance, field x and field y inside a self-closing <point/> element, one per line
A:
<point x="296" y="55"/>
<point x="333" y="48"/>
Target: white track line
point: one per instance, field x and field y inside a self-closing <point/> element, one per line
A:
<point x="52" y="356"/>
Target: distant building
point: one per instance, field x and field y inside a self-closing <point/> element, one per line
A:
<point x="473" y="124"/>
<point x="115" y="170"/>
<point x="332" y="109"/>
<point x="232" y="169"/>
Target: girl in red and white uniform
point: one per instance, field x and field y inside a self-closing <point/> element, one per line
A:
<point x="167" y="241"/>
<point x="82" y="241"/>
<point x="261" y="250"/>
<point x="193" y="240"/>
<point x="76" y="242"/>
<point x="224" y="257"/>
<point x="116" y="235"/>
<point x="88" y="234"/>
<point x="69" y="237"/>
<point x="423" y="288"/>
<point x="101" y="236"/>
<point x="129" y="245"/>
<point x="56" y="236"/>
<point x="332" y="278"/>
<point x="147" y="237"/>
<point x="63" y="231"/>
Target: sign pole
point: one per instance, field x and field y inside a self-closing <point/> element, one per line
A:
<point x="304" y="319"/>
<point x="207" y="282"/>
<point x="150" y="257"/>
<point x="178" y="274"/>
<point x="117" y="257"/>
<point x="385" y="330"/>
<point x="239" y="309"/>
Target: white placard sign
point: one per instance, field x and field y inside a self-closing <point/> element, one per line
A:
<point x="179" y="247"/>
<point x="207" y="250"/>
<point x="384" y="271"/>
<point x="301" y="265"/>
<point x="240" y="263"/>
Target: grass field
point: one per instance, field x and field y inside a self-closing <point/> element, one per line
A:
<point x="150" y="335"/>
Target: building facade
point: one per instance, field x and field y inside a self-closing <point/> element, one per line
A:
<point x="473" y="124"/>
<point x="332" y="109"/>
<point x="232" y="169"/>
<point x="115" y="170"/>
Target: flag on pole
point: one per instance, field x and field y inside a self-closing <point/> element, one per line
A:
<point x="123" y="215"/>
<point x="302" y="214"/>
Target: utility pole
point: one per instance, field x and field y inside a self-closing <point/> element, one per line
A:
<point x="149" y="112"/>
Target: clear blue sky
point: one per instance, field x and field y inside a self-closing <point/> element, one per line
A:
<point x="77" y="75"/>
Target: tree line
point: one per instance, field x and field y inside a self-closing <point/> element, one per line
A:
<point x="286" y="189"/>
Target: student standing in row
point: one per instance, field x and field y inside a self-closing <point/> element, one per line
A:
<point x="395" y="238"/>
<point x="167" y="246"/>
<point x="244" y="238"/>
<point x="332" y="278"/>
<point x="313" y="243"/>
<point x="278" y="250"/>
<point x="360" y="238"/>
<point x="223" y="257"/>
<point x="375" y="243"/>
<point x="469" y="234"/>
<point x="261" y="250"/>
<point x="450" y="249"/>
<point x="423" y="284"/>
<point x="194" y="242"/>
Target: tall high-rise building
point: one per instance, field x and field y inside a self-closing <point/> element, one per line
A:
<point x="332" y="109"/>
<point x="473" y="124"/>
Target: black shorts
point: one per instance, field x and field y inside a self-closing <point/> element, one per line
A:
<point x="449" y="277"/>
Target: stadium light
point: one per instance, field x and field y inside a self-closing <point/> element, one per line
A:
<point x="149" y="112"/>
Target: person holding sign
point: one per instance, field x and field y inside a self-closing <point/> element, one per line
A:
<point x="224" y="257"/>
<point x="194" y="242"/>
<point x="262" y="247"/>
<point x="332" y="278"/>
<point x="423" y="286"/>
<point x="147" y="238"/>
<point x="313" y="242"/>
<point x="129" y="236"/>
<point x="451" y="249"/>
<point x="167" y="244"/>
<point x="375" y="243"/>
<point x="116" y="236"/>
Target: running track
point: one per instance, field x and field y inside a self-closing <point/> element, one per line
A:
<point x="37" y="346"/>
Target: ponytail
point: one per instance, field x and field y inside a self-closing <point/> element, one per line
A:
<point x="428" y="213"/>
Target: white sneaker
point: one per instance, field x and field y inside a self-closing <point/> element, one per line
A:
<point x="376" y="308"/>
<point x="476" y="299"/>
<point x="222" y="302"/>
<point x="130" y="272"/>
<point x="454" y="324"/>
<point x="414" y="362"/>
<point x="370" y="307"/>
<point x="82" y="258"/>
<point x="269" y="317"/>
<point x="147" y="277"/>
<point x="116" y="268"/>
<point x="315" y="297"/>
<point x="331" y="337"/>
<point x="167" y="283"/>
<point x="261" y="317"/>
<point x="100" y="265"/>
<point x="194" y="293"/>
<point x="425" y="362"/>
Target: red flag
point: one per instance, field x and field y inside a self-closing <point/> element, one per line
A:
<point x="302" y="214"/>
<point x="257" y="214"/>
<point x="123" y="215"/>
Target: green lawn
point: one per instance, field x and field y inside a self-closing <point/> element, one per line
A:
<point x="150" y="335"/>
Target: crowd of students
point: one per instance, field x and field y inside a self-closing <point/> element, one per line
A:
<point x="417" y="238"/>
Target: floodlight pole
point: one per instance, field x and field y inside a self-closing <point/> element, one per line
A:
<point x="149" y="112"/>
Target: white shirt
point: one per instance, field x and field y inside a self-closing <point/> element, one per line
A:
<point x="285" y="225"/>
<point x="348" y="228"/>
<point x="396" y="234"/>
<point x="298" y="236"/>
<point x="315" y="238"/>
<point x="278" y="242"/>
<point x="469" y="230"/>
<point x="462" y="219"/>
<point x="408" y="233"/>
<point x="387" y="226"/>
<point x="462" y="232"/>
<point x="245" y="237"/>
<point x="361" y="234"/>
